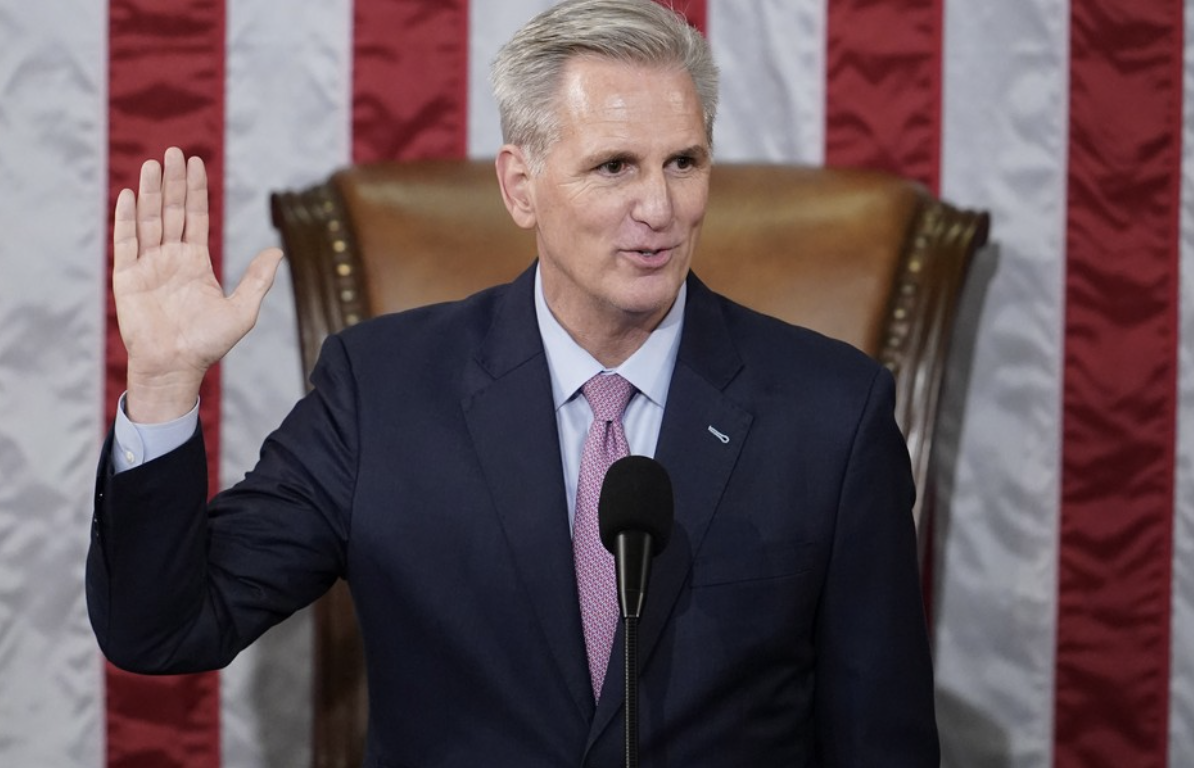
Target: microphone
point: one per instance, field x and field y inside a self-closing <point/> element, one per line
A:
<point x="634" y="516"/>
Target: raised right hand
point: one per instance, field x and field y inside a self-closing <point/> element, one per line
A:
<point x="174" y="318"/>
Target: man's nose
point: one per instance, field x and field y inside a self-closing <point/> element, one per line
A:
<point x="653" y="201"/>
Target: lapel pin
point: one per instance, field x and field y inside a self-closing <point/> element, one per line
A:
<point x="725" y="439"/>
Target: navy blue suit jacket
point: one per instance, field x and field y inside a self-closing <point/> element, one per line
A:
<point x="783" y="625"/>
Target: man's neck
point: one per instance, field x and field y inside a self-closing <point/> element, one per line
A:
<point x="611" y="337"/>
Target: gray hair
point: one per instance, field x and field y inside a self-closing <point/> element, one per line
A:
<point x="527" y="71"/>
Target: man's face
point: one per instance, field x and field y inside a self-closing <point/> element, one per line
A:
<point x="618" y="204"/>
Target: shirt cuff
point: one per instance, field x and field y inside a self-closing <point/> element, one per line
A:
<point x="134" y="444"/>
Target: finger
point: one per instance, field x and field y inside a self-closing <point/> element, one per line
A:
<point x="196" y="212"/>
<point x="149" y="206"/>
<point x="174" y="195"/>
<point x="124" y="231"/>
<point x="257" y="280"/>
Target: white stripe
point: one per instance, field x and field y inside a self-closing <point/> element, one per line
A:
<point x="997" y="521"/>
<point x="1181" y="703"/>
<point x="490" y="26"/>
<point x="772" y="60"/>
<point x="288" y="116"/>
<point x="53" y="183"/>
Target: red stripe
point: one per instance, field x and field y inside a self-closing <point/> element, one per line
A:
<point x="883" y="86"/>
<point x="1120" y="385"/>
<point x="166" y="87"/>
<point x="883" y="107"/>
<point x="410" y="80"/>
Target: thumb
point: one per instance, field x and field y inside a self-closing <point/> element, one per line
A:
<point x="257" y="281"/>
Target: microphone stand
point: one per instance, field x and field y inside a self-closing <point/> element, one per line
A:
<point x="633" y="557"/>
<point x="630" y="646"/>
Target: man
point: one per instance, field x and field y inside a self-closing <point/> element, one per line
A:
<point x="435" y="465"/>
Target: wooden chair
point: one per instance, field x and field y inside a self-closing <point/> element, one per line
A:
<point x="866" y="257"/>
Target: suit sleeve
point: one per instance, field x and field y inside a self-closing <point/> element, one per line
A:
<point x="874" y="702"/>
<point x="177" y="584"/>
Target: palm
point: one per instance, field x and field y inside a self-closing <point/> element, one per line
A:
<point x="174" y="317"/>
<point x="170" y="307"/>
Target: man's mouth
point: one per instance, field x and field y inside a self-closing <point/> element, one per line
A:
<point x="648" y="253"/>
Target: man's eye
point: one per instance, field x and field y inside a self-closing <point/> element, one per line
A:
<point x="684" y="163"/>
<point x="613" y="167"/>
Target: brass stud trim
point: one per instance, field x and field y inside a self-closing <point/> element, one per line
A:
<point x="340" y="260"/>
<point x="908" y="291"/>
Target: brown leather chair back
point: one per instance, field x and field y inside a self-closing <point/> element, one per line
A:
<point x="863" y="256"/>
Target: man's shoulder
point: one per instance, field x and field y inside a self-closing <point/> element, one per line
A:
<point x="426" y="353"/>
<point x="798" y="378"/>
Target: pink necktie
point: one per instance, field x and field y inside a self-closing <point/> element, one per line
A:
<point x="595" y="579"/>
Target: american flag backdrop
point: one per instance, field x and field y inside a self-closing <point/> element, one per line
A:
<point x="1063" y="568"/>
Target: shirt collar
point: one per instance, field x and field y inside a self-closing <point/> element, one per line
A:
<point x="649" y="369"/>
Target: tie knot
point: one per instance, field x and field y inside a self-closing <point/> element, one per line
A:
<point x="608" y="395"/>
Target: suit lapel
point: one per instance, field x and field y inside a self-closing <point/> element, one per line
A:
<point x="699" y="442"/>
<point x="513" y="426"/>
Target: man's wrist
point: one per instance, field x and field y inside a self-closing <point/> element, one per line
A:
<point x="160" y="399"/>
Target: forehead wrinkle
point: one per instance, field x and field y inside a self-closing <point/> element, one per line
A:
<point x="612" y="134"/>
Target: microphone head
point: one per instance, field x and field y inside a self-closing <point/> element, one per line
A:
<point x="636" y="495"/>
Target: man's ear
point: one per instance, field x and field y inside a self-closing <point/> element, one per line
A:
<point x="514" y="178"/>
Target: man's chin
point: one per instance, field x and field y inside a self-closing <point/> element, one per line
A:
<point x="649" y="308"/>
